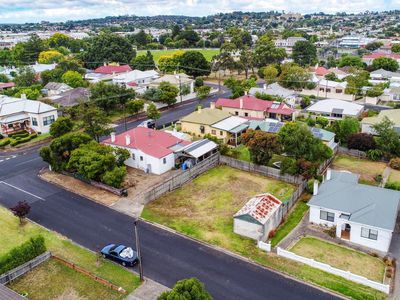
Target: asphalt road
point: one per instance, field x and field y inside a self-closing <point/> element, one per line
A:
<point x="167" y="257"/>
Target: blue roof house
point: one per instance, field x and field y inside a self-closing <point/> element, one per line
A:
<point x="363" y="214"/>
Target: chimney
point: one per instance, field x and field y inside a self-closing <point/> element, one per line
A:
<point x="315" y="189"/>
<point x="23" y="96"/>
<point x="212" y="105"/>
<point x="264" y="86"/>
<point x="199" y="109"/>
<point x="113" y="137"/>
<point x="245" y="93"/>
<point x="127" y="139"/>
<point x="241" y="102"/>
<point x="328" y="174"/>
<point x="104" y="64"/>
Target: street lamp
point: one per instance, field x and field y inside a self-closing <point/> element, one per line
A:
<point x="177" y="76"/>
<point x="135" y="223"/>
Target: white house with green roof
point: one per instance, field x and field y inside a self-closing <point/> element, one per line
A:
<point x="363" y="214"/>
<point x="392" y="114"/>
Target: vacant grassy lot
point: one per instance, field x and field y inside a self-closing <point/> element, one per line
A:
<point x="12" y="234"/>
<point x="366" y="168"/>
<point x="292" y="220"/>
<point x="53" y="280"/>
<point x="341" y="257"/>
<point x="208" y="53"/>
<point x="204" y="208"/>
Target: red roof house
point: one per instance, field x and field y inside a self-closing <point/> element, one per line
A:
<point x="368" y="58"/>
<point x="254" y="108"/>
<point x="6" y="85"/>
<point x="111" y="69"/>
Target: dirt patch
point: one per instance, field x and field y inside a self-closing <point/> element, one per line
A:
<point x="81" y="188"/>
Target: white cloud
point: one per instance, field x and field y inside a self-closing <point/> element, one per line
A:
<point x="32" y="11"/>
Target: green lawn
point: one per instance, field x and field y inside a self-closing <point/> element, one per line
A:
<point x="12" y="235"/>
<point x="54" y="280"/>
<point x="394" y="176"/>
<point x="203" y="209"/>
<point x="341" y="257"/>
<point x="208" y="53"/>
<point x="294" y="218"/>
<point x="367" y="169"/>
<point x="243" y="153"/>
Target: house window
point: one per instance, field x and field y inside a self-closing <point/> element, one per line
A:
<point x="214" y="132"/>
<point x="202" y="129"/>
<point x="328" y="90"/>
<point x="141" y="158"/>
<point x="34" y="122"/>
<point x="221" y="132"/>
<point x="369" y="233"/>
<point x="327" y="216"/>
<point x="133" y="156"/>
<point x="48" y="120"/>
<point x="164" y="160"/>
<point x="337" y="115"/>
<point x="246" y="114"/>
<point x="339" y="91"/>
<point x="236" y="113"/>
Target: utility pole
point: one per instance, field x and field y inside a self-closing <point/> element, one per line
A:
<point x="138" y="249"/>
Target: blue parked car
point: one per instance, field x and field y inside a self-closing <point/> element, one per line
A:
<point x="121" y="254"/>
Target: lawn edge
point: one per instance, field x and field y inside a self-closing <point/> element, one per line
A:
<point x="243" y="258"/>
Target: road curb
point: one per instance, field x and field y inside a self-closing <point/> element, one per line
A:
<point x="243" y="258"/>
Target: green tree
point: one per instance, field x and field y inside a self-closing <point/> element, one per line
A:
<point x="388" y="139"/>
<point x="94" y="121"/>
<point x="108" y="47"/>
<point x="189" y="35"/>
<point x="266" y="53"/>
<point x="262" y="145"/>
<point x="239" y="87"/>
<point x="59" y="151"/>
<point x="270" y="74"/>
<point x="144" y="62"/>
<point x="28" y="52"/>
<point x="373" y="46"/>
<point x="153" y="112"/>
<point x="344" y="128"/>
<point x="30" y="93"/>
<point x="186" y="289"/>
<point x="298" y="141"/>
<point x="59" y="40"/>
<point x="193" y="63"/>
<point x="293" y="76"/>
<point x="304" y="53"/>
<point x="396" y="48"/>
<point x="350" y="61"/>
<point x="61" y="126"/>
<point x="110" y="96"/>
<point x="386" y="63"/>
<point x="203" y="92"/>
<point x="73" y="79"/>
<point x="167" y="93"/>
<point x="4" y="78"/>
<point x="26" y="77"/>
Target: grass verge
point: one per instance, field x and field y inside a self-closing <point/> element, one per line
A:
<point x="294" y="218"/>
<point x="12" y="234"/>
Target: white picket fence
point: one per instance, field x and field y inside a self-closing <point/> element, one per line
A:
<point x="264" y="246"/>
<point x="327" y="268"/>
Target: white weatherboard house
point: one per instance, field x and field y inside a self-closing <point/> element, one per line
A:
<point x="334" y="109"/>
<point x="258" y="217"/>
<point x="363" y="214"/>
<point x="18" y="114"/>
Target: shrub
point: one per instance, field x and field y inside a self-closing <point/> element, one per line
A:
<point x="21" y="210"/>
<point x="361" y="141"/>
<point x="310" y="185"/>
<point x="395" y="163"/>
<point x="4" y="142"/>
<point x="289" y="166"/>
<point x="115" y="177"/>
<point x="378" y="178"/>
<point x="374" y="154"/>
<point x="393" y="186"/>
<point x="271" y="234"/>
<point x="22" y="254"/>
<point x="322" y="121"/>
<point x="331" y="231"/>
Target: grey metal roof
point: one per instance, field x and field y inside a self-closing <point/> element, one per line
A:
<point x="368" y="205"/>
<point x="337" y="111"/>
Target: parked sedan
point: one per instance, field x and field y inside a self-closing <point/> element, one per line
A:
<point x="121" y="254"/>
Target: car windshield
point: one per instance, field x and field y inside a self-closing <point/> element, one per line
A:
<point x="113" y="248"/>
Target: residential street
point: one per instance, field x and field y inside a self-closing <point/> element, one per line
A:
<point x="167" y="257"/>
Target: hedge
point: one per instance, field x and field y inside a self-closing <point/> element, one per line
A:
<point x="21" y="140"/>
<point x="393" y="186"/>
<point x="22" y="254"/>
<point x="19" y="134"/>
<point x="4" y="142"/>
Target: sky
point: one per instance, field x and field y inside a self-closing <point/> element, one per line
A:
<point x="21" y="11"/>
